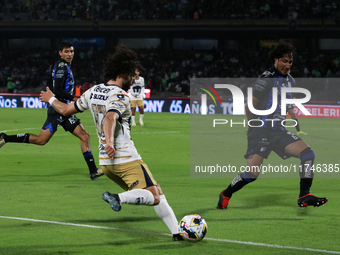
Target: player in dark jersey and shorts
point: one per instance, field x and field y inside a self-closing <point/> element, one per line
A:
<point x="266" y="133"/>
<point x="63" y="86"/>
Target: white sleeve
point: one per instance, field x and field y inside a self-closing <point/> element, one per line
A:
<point x="81" y="104"/>
<point x="143" y="92"/>
<point x="143" y="88"/>
<point x="117" y="103"/>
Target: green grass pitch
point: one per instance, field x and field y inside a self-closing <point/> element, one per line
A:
<point x="49" y="205"/>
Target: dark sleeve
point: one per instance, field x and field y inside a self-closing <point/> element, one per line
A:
<point x="262" y="87"/>
<point x="59" y="81"/>
<point x="292" y="95"/>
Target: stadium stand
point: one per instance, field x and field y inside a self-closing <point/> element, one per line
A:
<point x="168" y="71"/>
<point x="167" y="10"/>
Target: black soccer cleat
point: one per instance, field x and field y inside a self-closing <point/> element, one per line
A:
<point x="113" y="200"/>
<point x="223" y="202"/>
<point x="97" y="174"/>
<point x="177" y="237"/>
<point x="309" y="199"/>
<point x="2" y="139"/>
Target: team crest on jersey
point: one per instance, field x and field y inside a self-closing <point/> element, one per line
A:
<point x="61" y="64"/>
<point x="267" y="73"/>
<point x="120" y="97"/>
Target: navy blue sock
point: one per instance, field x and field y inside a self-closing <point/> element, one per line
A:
<point x="19" y="138"/>
<point x="297" y="125"/>
<point x="307" y="157"/>
<point x="90" y="162"/>
<point x="239" y="181"/>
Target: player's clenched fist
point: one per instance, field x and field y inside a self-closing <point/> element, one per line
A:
<point x="110" y="151"/>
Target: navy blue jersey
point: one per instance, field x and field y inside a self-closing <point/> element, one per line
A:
<point x="63" y="81"/>
<point x="262" y="90"/>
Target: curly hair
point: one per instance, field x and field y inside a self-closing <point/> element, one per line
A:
<point x="123" y="62"/>
<point x="282" y="49"/>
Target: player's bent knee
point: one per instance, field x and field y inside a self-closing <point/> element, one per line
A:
<point x="154" y="195"/>
<point x="307" y="153"/>
<point x="41" y="141"/>
<point x="157" y="200"/>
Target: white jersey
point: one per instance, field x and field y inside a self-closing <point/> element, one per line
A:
<point x="101" y="99"/>
<point x="137" y="89"/>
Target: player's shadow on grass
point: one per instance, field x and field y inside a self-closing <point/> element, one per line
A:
<point x="266" y="200"/>
<point x="250" y="202"/>
<point x="174" y="246"/>
<point x="120" y="219"/>
<point x="60" y="249"/>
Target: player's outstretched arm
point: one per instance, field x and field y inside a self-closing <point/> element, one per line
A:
<point x="64" y="109"/>
<point x="109" y="130"/>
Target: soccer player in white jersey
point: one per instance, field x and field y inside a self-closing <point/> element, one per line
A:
<point x="118" y="157"/>
<point x="137" y="95"/>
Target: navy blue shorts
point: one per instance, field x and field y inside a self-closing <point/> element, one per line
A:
<point x="263" y="141"/>
<point x="54" y="119"/>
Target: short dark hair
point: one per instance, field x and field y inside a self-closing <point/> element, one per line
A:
<point x="65" y="44"/>
<point x="282" y="49"/>
<point x="123" y="62"/>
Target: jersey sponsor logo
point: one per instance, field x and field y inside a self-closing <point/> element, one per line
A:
<point x="117" y="104"/>
<point x="260" y="85"/>
<point x="60" y="71"/>
<point x="99" y="97"/>
<point x="133" y="184"/>
<point x="102" y="90"/>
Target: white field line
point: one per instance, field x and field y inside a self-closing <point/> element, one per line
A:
<point x="164" y="234"/>
<point x="19" y="129"/>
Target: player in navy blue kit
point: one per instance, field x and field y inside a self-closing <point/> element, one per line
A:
<point x="63" y="86"/>
<point x="269" y="135"/>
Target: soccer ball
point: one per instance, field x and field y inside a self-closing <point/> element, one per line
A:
<point x="193" y="227"/>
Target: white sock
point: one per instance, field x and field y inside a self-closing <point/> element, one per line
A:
<point x="141" y="117"/>
<point x="165" y="212"/>
<point x="133" y="119"/>
<point x="137" y="197"/>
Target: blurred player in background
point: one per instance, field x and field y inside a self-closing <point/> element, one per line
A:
<point x="110" y="107"/>
<point x="263" y="139"/>
<point x="137" y="95"/>
<point x="290" y="110"/>
<point x="63" y="86"/>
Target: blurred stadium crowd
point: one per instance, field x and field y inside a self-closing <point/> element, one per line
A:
<point x="165" y="71"/>
<point x="54" y="10"/>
